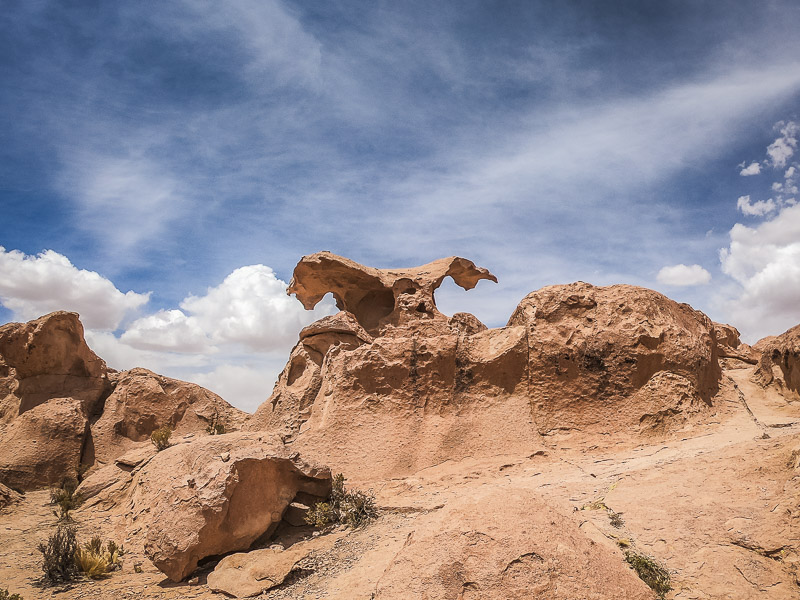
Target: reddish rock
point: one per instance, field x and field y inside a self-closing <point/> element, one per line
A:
<point x="412" y="388"/>
<point x="215" y="495"/>
<point x="143" y="401"/>
<point x="8" y="496"/>
<point x="48" y="358"/>
<point x="505" y="544"/>
<point x="780" y="361"/>
<point x="44" y="444"/>
<point x="592" y="348"/>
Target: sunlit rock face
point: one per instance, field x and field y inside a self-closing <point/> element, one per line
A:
<point x="392" y="378"/>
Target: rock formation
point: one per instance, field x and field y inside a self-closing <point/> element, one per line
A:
<point x="215" y="495"/>
<point x="61" y="406"/>
<point x="780" y="361"/>
<point x="391" y="377"/>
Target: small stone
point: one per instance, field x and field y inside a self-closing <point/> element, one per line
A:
<point x="225" y="456"/>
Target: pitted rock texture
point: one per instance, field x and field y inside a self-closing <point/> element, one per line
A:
<point x="215" y="495"/>
<point x="414" y="388"/>
<point x="380" y="297"/>
<point x="48" y="358"/>
<point x="62" y="409"/>
<point x="143" y="401"/>
<point x="591" y="349"/>
<point x="780" y="362"/>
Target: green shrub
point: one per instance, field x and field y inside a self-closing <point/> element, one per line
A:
<point x="59" y="555"/>
<point x="66" y="498"/>
<point x="4" y="595"/>
<point x="649" y="571"/>
<point x="160" y="437"/>
<point x="350" y="508"/>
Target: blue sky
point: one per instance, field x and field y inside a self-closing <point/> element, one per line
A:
<point x="165" y="165"/>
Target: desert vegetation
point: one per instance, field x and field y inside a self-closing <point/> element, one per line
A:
<point x="352" y="508"/>
<point x="160" y="437"/>
<point x="65" y="498"/>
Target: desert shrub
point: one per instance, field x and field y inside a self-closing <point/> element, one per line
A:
<point x="66" y="498"/>
<point x="160" y="437"/>
<point x="649" y="571"/>
<point x="215" y="426"/>
<point x="59" y="555"/>
<point x="616" y="519"/>
<point x="352" y="508"/>
<point x="96" y="561"/>
<point x="4" y="595"/>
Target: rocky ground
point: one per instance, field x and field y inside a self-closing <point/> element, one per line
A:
<point x="717" y="504"/>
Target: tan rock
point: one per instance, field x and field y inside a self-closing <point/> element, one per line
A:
<point x="143" y="401"/>
<point x="504" y="544"/>
<point x="48" y="358"/>
<point x="44" y="444"/>
<point x="780" y="358"/>
<point x="190" y="504"/>
<point x="248" y="574"/>
<point x="413" y="388"/>
<point x="591" y="348"/>
<point x="8" y="496"/>
<point x="730" y="346"/>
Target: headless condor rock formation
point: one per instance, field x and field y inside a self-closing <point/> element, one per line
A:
<point x="392" y="378"/>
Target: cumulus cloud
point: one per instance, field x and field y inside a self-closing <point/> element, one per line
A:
<point x="759" y="208"/>
<point x="782" y="149"/>
<point x="169" y="330"/>
<point x="31" y="286"/>
<point x="249" y="385"/>
<point x="754" y="168"/>
<point x="683" y="275"/>
<point x="765" y="261"/>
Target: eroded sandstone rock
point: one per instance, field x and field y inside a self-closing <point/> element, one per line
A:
<point x="143" y="401"/>
<point x="505" y="544"/>
<point x="780" y="360"/>
<point x="215" y="495"/>
<point x="48" y="358"/>
<point x="410" y="388"/>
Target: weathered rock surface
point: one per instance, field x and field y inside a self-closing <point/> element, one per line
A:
<point x="411" y="388"/>
<point x="215" y="495"/>
<point x="591" y="349"/>
<point x="48" y="358"/>
<point x="143" y="401"/>
<point x="248" y="574"/>
<point x="780" y="361"/>
<point x="61" y="407"/>
<point x="506" y="544"/>
<point x="43" y="445"/>
<point x="8" y="496"/>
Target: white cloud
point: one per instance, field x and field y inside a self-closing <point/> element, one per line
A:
<point x="249" y="385"/>
<point x="683" y="275"/>
<point x="250" y="307"/>
<point x="169" y="330"/>
<point x="753" y="169"/>
<point x="782" y="149"/>
<point x="31" y="286"/>
<point x="759" y="208"/>
<point x="765" y="261"/>
<point x="789" y="172"/>
<point x="124" y="201"/>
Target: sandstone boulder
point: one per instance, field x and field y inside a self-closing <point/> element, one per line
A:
<point x="44" y="444"/>
<point x="8" y="496"/>
<point x="48" y="358"/>
<point x="592" y="348"/>
<point x="143" y="401"/>
<point x="215" y="495"/>
<point x="780" y="360"/>
<point x="391" y="377"/>
<point x="505" y="543"/>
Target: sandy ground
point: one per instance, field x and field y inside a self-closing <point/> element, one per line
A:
<point x="718" y="504"/>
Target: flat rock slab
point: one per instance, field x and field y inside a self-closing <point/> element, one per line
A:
<point x="248" y="574"/>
